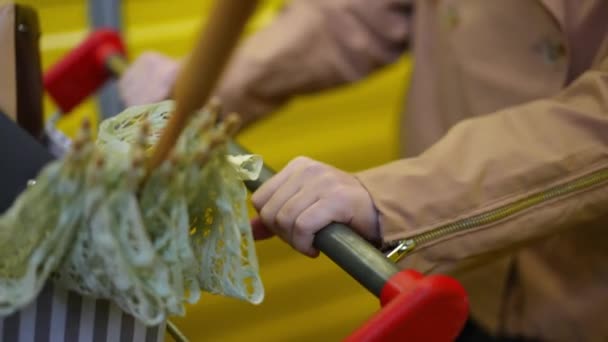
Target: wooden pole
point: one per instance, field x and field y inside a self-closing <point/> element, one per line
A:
<point x="202" y="70"/>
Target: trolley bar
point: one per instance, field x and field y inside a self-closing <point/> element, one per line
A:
<point x="341" y="244"/>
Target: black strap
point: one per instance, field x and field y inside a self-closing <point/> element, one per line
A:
<point x="28" y="70"/>
<point x="21" y="158"/>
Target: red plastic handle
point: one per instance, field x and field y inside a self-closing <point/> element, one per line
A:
<point x="83" y="70"/>
<point x="417" y="308"/>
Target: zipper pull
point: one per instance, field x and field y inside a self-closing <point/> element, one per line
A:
<point x="403" y="248"/>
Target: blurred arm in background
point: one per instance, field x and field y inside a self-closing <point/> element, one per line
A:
<point x="311" y="46"/>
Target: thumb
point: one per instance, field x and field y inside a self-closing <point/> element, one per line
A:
<point x="260" y="231"/>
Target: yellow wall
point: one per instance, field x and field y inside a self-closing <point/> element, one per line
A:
<point x="352" y="128"/>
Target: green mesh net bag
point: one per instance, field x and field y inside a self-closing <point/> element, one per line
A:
<point x="93" y="224"/>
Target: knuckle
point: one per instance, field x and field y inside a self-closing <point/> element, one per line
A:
<point x="284" y="219"/>
<point x="256" y="200"/>
<point x="300" y="160"/>
<point x="287" y="212"/>
<point x="338" y="194"/>
<point x="314" y="169"/>
<point x="266" y="215"/>
<point x="328" y="180"/>
<point x="301" y="225"/>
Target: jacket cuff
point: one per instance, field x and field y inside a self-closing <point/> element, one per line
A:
<point x="392" y="227"/>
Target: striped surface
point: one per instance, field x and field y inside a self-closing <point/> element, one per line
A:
<point x="63" y="316"/>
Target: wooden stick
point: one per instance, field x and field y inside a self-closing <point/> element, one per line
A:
<point x="203" y="68"/>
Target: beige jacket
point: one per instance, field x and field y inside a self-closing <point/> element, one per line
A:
<point x="506" y="134"/>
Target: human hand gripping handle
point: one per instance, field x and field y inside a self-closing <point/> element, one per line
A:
<point x="308" y="195"/>
<point x="340" y="243"/>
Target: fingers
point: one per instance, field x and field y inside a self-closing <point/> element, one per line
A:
<point x="307" y="224"/>
<point x="260" y="231"/>
<point x="264" y="193"/>
<point x="149" y="79"/>
<point x="276" y="202"/>
<point x="307" y="196"/>
<point x="291" y="209"/>
<point x="302" y="231"/>
<point x="300" y="235"/>
<point x="288" y="204"/>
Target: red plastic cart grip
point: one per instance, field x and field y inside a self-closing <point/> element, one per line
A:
<point x="416" y="308"/>
<point x="83" y="70"/>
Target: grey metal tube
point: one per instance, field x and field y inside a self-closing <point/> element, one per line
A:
<point x="342" y="245"/>
<point x="107" y="13"/>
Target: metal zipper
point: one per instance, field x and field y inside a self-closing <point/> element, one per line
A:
<point x="403" y="247"/>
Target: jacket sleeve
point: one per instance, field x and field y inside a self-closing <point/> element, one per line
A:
<point x="502" y="180"/>
<point x="314" y="45"/>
